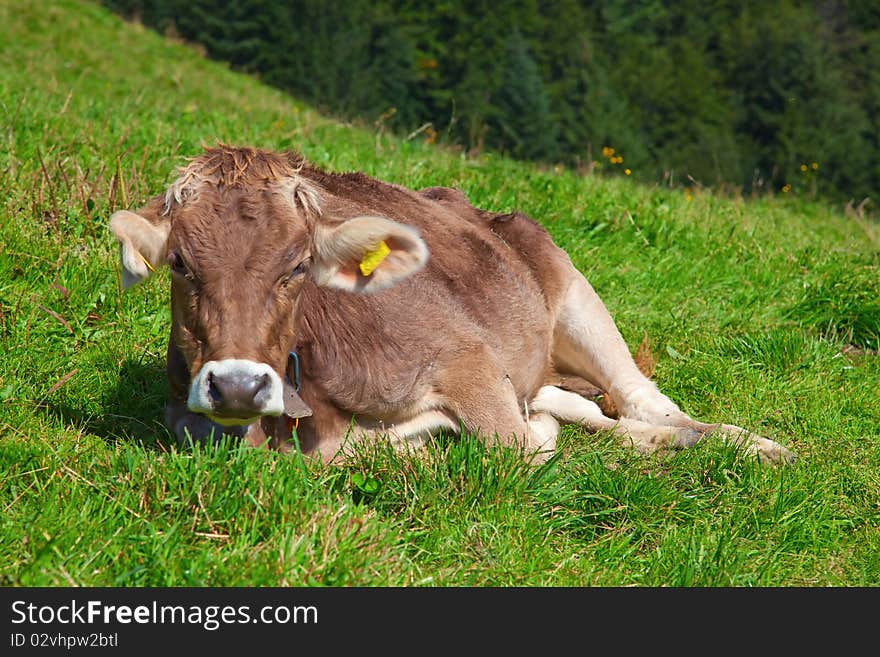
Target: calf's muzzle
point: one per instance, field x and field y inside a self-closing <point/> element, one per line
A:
<point x="238" y="395"/>
<point x="236" y="391"/>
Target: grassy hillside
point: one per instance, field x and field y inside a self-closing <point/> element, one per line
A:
<point x="762" y="313"/>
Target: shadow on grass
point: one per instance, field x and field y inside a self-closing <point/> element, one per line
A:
<point x="132" y="412"/>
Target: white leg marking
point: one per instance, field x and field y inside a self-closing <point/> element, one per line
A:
<point x="587" y="342"/>
<point x="543" y="430"/>
<point x="570" y="407"/>
<point x="768" y="451"/>
<point x="415" y="432"/>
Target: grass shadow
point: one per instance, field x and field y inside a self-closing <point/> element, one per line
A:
<point x="132" y="411"/>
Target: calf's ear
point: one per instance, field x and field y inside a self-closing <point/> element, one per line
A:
<point x="366" y="254"/>
<point x="141" y="244"/>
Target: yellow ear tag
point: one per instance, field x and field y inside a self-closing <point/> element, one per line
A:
<point x="373" y="258"/>
<point x="146" y="262"/>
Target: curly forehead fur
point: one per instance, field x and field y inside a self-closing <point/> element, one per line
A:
<point x="247" y="168"/>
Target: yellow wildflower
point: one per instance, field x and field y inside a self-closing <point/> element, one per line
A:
<point x="814" y="166"/>
<point x="627" y="171"/>
<point x="786" y="188"/>
<point x="803" y="167"/>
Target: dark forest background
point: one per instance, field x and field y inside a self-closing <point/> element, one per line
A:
<point x="755" y="96"/>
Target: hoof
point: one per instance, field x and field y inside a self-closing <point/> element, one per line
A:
<point x="768" y="451"/>
<point x="773" y="453"/>
<point x="685" y="438"/>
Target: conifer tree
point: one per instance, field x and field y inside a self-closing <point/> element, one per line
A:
<point x="740" y="92"/>
<point x="522" y="107"/>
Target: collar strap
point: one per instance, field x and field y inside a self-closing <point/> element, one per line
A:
<point x="295" y="359"/>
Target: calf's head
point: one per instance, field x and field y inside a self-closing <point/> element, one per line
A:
<point x="241" y="230"/>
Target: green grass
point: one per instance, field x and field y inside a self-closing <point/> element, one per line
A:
<point x="762" y="313"/>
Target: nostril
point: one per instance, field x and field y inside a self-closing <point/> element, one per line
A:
<point x="262" y="383"/>
<point x="214" y="390"/>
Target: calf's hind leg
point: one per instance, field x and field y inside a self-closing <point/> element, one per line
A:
<point x="586" y="342"/>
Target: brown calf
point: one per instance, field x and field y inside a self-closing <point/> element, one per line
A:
<point x="407" y="312"/>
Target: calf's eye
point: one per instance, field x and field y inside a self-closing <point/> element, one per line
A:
<point x="300" y="268"/>
<point x="294" y="273"/>
<point x="178" y="266"/>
